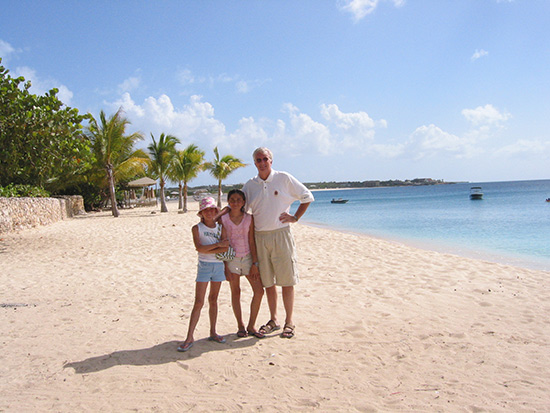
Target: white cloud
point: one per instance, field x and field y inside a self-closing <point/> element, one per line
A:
<point x="485" y="115"/>
<point x="537" y="148"/>
<point x="296" y="134"/>
<point x="128" y="105"/>
<point x="185" y="77"/>
<point x="305" y="134"/>
<point x="40" y="86"/>
<point x="361" y="8"/>
<point x="64" y="94"/>
<point x="478" y="54"/>
<point x="129" y="84"/>
<point x="360" y="121"/>
<point x="339" y="133"/>
<point x="6" y="50"/>
<point x="195" y="122"/>
<point x="430" y="140"/>
<point x="355" y="130"/>
<point x="242" y="87"/>
<point x="249" y="131"/>
<point x="246" y="86"/>
<point x="188" y="79"/>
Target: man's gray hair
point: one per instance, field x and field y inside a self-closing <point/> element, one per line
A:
<point x="262" y="150"/>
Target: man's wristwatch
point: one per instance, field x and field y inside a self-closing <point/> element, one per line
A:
<point x="257" y="264"/>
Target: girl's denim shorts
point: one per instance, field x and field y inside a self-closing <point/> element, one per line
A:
<point x="210" y="271"/>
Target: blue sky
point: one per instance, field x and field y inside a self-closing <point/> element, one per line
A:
<point x="338" y="89"/>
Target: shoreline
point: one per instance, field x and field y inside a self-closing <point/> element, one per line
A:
<point x="446" y="248"/>
<point x="500" y="250"/>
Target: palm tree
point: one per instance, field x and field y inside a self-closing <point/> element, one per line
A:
<point x="186" y="165"/>
<point x="114" y="150"/>
<point x="221" y="168"/>
<point x="162" y="154"/>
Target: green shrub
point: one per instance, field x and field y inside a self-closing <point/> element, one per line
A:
<point x="17" y="191"/>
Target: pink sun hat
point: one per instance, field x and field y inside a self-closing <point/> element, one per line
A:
<point x="206" y="203"/>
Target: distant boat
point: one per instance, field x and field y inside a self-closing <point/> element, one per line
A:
<point x="475" y="192"/>
<point x="338" y="201"/>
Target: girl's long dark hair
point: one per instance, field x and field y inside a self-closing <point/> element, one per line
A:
<point x="238" y="192"/>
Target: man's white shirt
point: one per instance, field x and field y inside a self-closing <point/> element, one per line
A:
<point x="270" y="198"/>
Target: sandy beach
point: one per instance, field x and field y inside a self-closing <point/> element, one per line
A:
<point x="93" y="308"/>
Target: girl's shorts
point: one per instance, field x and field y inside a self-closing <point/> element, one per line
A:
<point x="240" y="265"/>
<point x="210" y="271"/>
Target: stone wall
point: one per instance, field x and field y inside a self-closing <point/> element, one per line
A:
<point x="19" y="213"/>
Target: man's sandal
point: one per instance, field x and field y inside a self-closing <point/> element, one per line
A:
<point x="288" y="331"/>
<point x="269" y="327"/>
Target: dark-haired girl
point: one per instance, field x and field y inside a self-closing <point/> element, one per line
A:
<point x="239" y="228"/>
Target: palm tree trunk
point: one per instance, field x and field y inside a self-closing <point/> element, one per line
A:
<point x="111" y="180"/>
<point x="163" y="207"/>
<point x="185" y="196"/>
<point x="220" y="194"/>
<point x="180" y="200"/>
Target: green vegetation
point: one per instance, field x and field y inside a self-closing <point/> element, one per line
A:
<point x="114" y="153"/>
<point x="44" y="149"/>
<point x="41" y="140"/>
<point x="186" y="165"/>
<point x="221" y="168"/>
<point x="17" y="191"/>
<point x="162" y="154"/>
<point x="374" y="184"/>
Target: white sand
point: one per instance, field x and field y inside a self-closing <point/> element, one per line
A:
<point x="93" y="309"/>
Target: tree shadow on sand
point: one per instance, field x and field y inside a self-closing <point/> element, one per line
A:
<point x="159" y="354"/>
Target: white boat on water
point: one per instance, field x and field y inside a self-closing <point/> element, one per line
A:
<point x="476" y="193"/>
<point x="338" y="201"/>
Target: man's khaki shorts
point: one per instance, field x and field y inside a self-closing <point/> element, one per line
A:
<point x="277" y="256"/>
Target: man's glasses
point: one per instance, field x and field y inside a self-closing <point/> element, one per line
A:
<point x="259" y="160"/>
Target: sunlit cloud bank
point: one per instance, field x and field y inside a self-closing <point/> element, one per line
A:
<point x="485" y="115"/>
<point x="431" y="140"/>
<point x="330" y="132"/>
<point x="194" y="123"/>
<point x="294" y="134"/>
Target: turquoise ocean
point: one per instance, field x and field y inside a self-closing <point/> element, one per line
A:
<point x="510" y="225"/>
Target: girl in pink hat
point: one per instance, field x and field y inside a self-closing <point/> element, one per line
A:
<point x="209" y="270"/>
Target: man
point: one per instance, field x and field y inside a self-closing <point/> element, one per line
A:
<point x="269" y="196"/>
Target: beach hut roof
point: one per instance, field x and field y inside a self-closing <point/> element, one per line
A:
<point x="142" y="182"/>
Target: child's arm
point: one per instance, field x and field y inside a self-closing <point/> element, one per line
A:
<point x="218" y="217"/>
<point x="220" y="246"/>
<point x="254" y="270"/>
